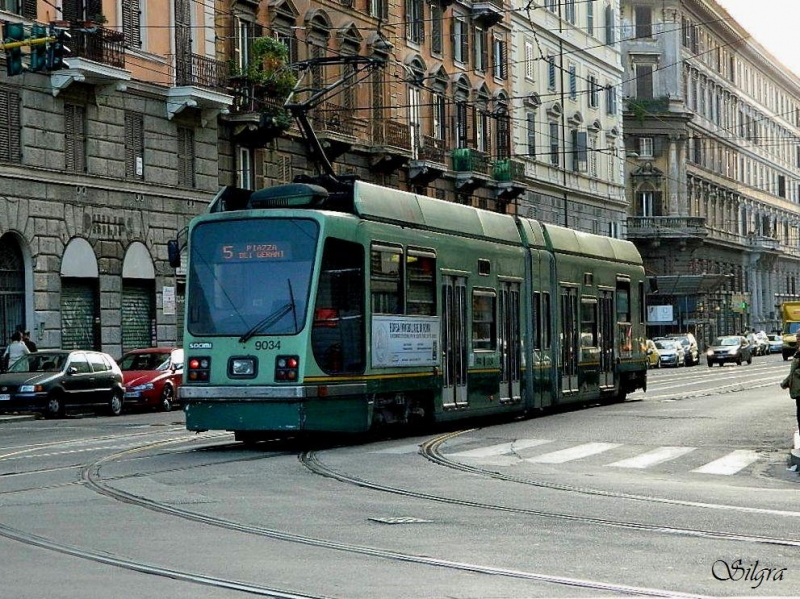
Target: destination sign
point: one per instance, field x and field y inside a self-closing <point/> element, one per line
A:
<point x="239" y="252"/>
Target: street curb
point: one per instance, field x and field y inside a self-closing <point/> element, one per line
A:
<point x="794" y="455"/>
<point x="17" y="418"/>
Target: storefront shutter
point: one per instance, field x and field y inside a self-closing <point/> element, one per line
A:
<point x="137" y="315"/>
<point x="78" y="308"/>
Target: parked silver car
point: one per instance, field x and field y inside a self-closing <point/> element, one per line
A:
<point x="690" y="349"/>
<point x="671" y="352"/>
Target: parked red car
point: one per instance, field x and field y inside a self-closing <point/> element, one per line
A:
<point x="152" y="376"/>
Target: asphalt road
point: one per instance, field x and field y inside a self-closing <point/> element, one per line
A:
<point x="680" y="491"/>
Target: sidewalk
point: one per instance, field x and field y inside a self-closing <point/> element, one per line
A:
<point x="794" y="456"/>
<point x="16" y="417"/>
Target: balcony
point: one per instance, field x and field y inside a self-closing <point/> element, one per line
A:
<point x="98" y="58"/>
<point x="760" y="243"/>
<point x="682" y="229"/>
<point x="199" y="83"/>
<point x="472" y="169"/>
<point x="510" y="177"/>
<point x="429" y="163"/>
<point x="335" y="128"/>
<point x="391" y="145"/>
<point x="257" y="116"/>
<point x="487" y="12"/>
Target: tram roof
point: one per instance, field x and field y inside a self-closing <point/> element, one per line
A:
<point x="375" y="202"/>
<point x="587" y="244"/>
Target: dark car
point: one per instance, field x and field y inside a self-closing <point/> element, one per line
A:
<point x="152" y="376"/>
<point x="730" y="348"/>
<point x="53" y="380"/>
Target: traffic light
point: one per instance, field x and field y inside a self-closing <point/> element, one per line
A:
<point x="38" y="48"/>
<point x="14" y="32"/>
<point x="58" y="51"/>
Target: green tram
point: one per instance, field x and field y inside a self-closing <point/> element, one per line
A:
<point x="309" y="312"/>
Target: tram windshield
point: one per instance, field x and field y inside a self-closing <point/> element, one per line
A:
<point x="250" y="277"/>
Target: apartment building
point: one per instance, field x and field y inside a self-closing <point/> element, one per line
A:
<point x="567" y="74"/>
<point x="100" y="164"/>
<point x="712" y="130"/>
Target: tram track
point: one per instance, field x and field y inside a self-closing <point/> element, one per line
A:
<point x="90" y="477"/>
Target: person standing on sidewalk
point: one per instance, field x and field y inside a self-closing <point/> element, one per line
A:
<point x="792" y="381"/>
<point x="15" y="350"/>
<point x="29" y="343"/>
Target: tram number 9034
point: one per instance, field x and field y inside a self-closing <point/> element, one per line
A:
<point x="268" y="344"/>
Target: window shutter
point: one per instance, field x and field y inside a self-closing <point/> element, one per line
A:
<point x="134" y="145"/>
<point x="131" y="23"/>
<point x="69" y="11"/>
<point x="29" y="9"/>
<point x="436" y="29"/>
<point x="260" y="168"/>
<point x="9" y="126"/>
<point x="503" y="60"/>
<point x="94" y="8"/>
<point x="465" y="42"/>
<point x="657" y="203"/>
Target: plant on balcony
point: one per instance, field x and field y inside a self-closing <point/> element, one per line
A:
<point x="647" y="106"/>
<point x="272" y="81"/>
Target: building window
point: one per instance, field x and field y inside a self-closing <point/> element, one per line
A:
<point x="646" y="147"/>
<point x="593" y="89"/>
<point x="481" y="51"/>
<point x="569" y="11"/>
<point x="436" y="28"/>
<point x="244" y="168"/>
<point x="134" y="145"/>
<point x="530" y="61"/>
<point x="531" y="121"/>
<point x="499" y="54"/>
<point x="415" y="20"/>
<point x="579" y="151"/>
<point x="644" y="81"/>
<point x="379" y="9"/>
<point x="10" y="148"/>
<point x="132" y="23"/>
<point x="551" y="72"/>
<point x="75" y="138"/>
<point x="590" y="17"/>
<point x="644" y="21"/>
<point x="573" y="82"/>
<point x="439" y="115"/>
<point x="648" y="203"/>
<point x="551" y="5"/>
<point x="611" y="99"/>
<point x="610" y="23"/>
<point x="186" y="157"/>
<point x="554" y="144"/>
<point x="460" y="39"/>
<point x="244" y="40"/>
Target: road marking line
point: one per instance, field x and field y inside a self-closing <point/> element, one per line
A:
<point x="501" y="449"/>
<point x="651" y="458"/>
<point x="573" y="453"/>
<point x="729" y="464"/>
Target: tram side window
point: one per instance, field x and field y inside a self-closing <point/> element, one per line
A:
<point x="588" y="323"/>
<point x="547" y="331"/>
<point x="337" y="335"/>
<point x="536" y="319"/>
<point x="623" y="301"/>
<point x="484" y="325"/>
<point x="386" y="279"/>
<point x="421" y="283"/>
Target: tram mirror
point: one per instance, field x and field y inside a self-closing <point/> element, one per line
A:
<point x="174" y="253"/>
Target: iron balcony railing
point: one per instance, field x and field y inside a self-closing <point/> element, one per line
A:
<point x="508" y="169"/>
<point x="470" y="160"/>
<point x="200" y="71"/>
<point x="105" y="46"/>
<point x="333" y="118"/>
<point x="667" y="226"/>
<point x="432" y="150"/>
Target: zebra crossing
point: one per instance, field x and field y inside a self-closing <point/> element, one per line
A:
<point x="724" y="465"/>
<point x="714" y="462"/>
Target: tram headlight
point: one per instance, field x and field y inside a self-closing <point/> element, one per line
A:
<point x="242" y="366"/>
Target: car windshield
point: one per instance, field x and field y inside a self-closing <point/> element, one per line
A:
<point x="145" y="361"/>
<point x="666" y="344"/>
<point x="726" y="341"/>
<point x="250" y="277"/>
<point x="39" y="362"/>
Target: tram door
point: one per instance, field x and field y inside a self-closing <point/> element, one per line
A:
<point x="570" y="348"/>
<point x="510" y="343"/>
<point x="454" y="340"/>
<point x="606" y="330"/>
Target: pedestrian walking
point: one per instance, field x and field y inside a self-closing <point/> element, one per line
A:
<point x="15" y="350"/>
<point x="26" y="339"/>
<point x="792" y="381"/>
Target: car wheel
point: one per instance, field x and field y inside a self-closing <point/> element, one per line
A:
<point x="739" y="361"/>
<point x="167" y="398"/>
<point x="750" y="359"/>
<point x="115" y="405"/>
<point x="54" y="407"/>
<point x="710" y="363"/>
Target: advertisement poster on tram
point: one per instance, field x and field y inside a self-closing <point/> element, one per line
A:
<point x="405" y="341"/>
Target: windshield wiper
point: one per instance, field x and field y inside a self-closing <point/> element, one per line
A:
<point x="273" y="317"/>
